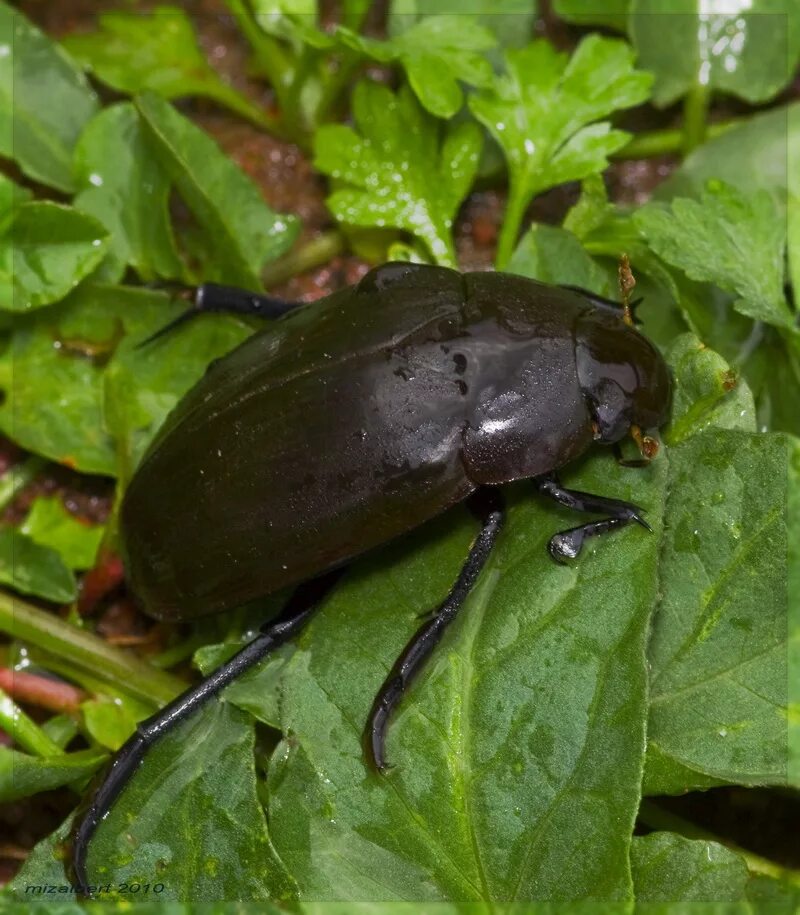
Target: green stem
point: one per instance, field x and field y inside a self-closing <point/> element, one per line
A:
<point x="656" y="817"/>
<point x="18" y="477"/>
<point x="271" y="56"/>
<point x="25" y="732"/>
<point x="695" y="117"/>
<point x="663" y="142"/>
<point x="336" y="85"/>
<point x="85" y="650"/>
<point x="313" y="254"/>
<point x="515" y="211"/>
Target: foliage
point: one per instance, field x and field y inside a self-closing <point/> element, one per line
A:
<point x="565" y="700"/>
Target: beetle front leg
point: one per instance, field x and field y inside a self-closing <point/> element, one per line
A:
<point x="487" y="504"/>
<point x="567" y="544"/>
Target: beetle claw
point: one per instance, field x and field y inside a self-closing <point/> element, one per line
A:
<point x="566" y="545"/>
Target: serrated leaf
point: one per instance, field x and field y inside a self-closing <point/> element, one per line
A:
<point x="437" y="53"/>
<point x="544" y="112"/>
<point x="49" y="524"/>
<point x="746" y="47"/>
<point x="718" y="700"/>
<point x="136" y="51"/>
<point x="242" y="231"/>
<point x="30" y="568"/>
<point x="735" y="241"/>
<point x="22" y="775"/>
<point x="47" y="251"/>
<point x="44" y="102"/>
<point x="553" y="255"/>
<point x="396" y="171"/>
<point x="121" y="183"/>
<point x="668" y="868"/>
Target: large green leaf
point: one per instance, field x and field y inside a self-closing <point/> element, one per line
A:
<point x="122" y="184"/>
<point x="133" y="51"/>
<point x="242" y="232"/>
<point x="46" y="252"/>
<point x="746" y="47"/>
<point x="718" y="650"/>
<point x="93" y="400"/>
<point x="44" y="102"/>
<point x="22" y="775"/>
<point x="205" y="797"/>
<point x="50" y="524"/>
<point x="31" y="568"/>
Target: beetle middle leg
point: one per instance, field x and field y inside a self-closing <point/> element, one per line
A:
<point x="567" y="544"/>
<point x="487" y="504"/>
<point x="276" y="632"/>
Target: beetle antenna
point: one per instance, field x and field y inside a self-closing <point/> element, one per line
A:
<point x="627" y="281"/>
<point x="182" y="318"/>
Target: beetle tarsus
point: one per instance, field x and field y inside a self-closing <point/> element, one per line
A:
<point x="487" y="504"/>
<point x="566" y="545"/>
<point x="214" y="298"/>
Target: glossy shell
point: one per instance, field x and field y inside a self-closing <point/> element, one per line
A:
<point x="354" y="420"/>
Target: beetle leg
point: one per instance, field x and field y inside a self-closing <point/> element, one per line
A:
<point x="567" y="544"/>
<point x="295" y="615"/>
<point x="487" y="504"/>
<point x="212" y="297"/>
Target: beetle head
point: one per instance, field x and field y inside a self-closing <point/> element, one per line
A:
<point x="623" y="377"/>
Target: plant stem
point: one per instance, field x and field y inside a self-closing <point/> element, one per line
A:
<point x="657" y="817"/>
<point x="18" y="477"/>
<point x="695" y="117"/>
<point x="314" y="253"/>
<point x="86" y="651"/>
<point x="336" y="84"/>
<point x="512" y="220"/>
<point x="662" y="142"/>
<point x="25" y="732"/>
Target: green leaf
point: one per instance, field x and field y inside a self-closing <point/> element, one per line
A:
<point x="437" y="53"/>
<point x="122" y="184"/>
<point x="33" y="569"/>
<point x="554" y="255"/>
<point x="762" y="153"/>
<point x="611" y="13"/>
<point x="22" y="775"/>
<point x="135" y="51"/>
<point x="11" y="196"/>
<point x="669" y="868"/>
<point x="749" y="49"/>
<point x="718" y="649"/>
<point x="512" y="21"/>
<point x="108" y="722"/>
<point x="544" y="112"/>
<point x="518" y="740"/>
<point x="242" y="231"/>
<point x="50" y="524"/>
<point x="47" y="251"/>
<point x="735" y="241"/>
<point x="592" y="209"/>
<point x="44" y="102"/>
<point x="199" y="826"/>
<point x="397" y="170"/>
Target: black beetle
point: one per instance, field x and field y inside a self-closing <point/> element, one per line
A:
<point x="353" y="420"/>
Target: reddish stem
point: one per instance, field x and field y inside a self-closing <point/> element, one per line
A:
<point x="42" y="691"/>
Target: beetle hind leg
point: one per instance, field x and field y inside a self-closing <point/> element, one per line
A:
<point x="567" y="544"/>
<point x="487" y="504"/>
